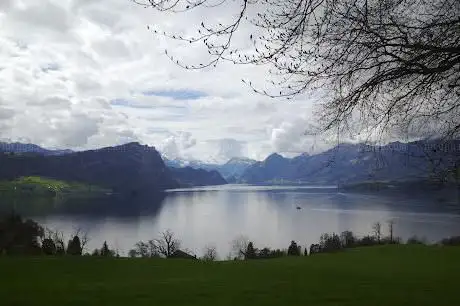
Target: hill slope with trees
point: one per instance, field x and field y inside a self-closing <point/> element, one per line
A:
<point x="131" y="168"/>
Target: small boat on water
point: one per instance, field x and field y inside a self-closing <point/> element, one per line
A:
<point x="298" y="207"/>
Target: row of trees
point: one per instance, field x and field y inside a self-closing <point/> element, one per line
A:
<point x="26" y="237"/>
<point x="242" y="248"/>
<point x="334" y="242"/>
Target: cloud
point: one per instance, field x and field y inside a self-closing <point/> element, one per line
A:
<point x="295" y="137"/>
<point x="175" y="145"/>
<point x="35" y="19"/>
<point x="112" y="48"/>
<point x="229" y="148"/>
<point x="84" y="74"/>
<point x="5" y="5"/>
<point x="58" y="129"/>
<point x="6" y="113"/>
<point x="52" y="101"/>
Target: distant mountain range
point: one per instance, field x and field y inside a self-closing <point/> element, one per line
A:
<point x="133" y="166"/>
<point x="188" y="177"/>
<point x="129" y="168"/>
<point x="230" y="171"/>
<point x="350" y="163"/>
<point x="18" y="147"/>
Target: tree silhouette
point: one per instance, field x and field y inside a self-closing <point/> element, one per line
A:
<point x="48" y="246"/>
<point x="251" y="252"/>
<point x="239" y="246"/>
<point x="377" y="229"/>
<point x="380" y="63"/>
<point x="347" y="239"/>
<point x="330" y="242"/>
<point x="167" y="244"/>
<point x="294" y="249"/>
<point x="74" y="246"/>
<point x="19" y="237"/>
<point x="315" y="249"/>
<point x="391" y="224"/>
<point x="105" y="251"/>
<point x="210" y="253"/>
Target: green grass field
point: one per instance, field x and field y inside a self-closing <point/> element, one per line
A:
<point x="36" y="185"/>
<point x="388" y="275"/>
<point x="39" y="195"/>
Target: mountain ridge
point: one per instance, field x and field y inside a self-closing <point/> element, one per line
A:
<point x="348" y="163"/>
<point x="19" y="147"/>
<point x="345" y="163"/>
<point x="130" y="167"/>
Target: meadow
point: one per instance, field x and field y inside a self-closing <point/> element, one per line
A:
<point x="381" y="275"/>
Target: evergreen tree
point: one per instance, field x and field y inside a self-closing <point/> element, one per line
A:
<point x="74" y="246"/>
<point x="105" y="251"/>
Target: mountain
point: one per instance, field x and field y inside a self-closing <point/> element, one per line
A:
<point x="189" y="176"/>
<point x="129" y="168"/>
<point x="348" y="163"/>
<point x="235" y="167"/>
<point x="195" y="164"/>
<point x="272" y="167"/>
<point x="18" y="147"/>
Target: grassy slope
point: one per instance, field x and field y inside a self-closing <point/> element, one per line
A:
<point x="41" y="185"/>
<point x="390" y="275"/>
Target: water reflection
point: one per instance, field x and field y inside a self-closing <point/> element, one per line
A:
<point x="119" y="206"/>
<point x="268" y="216"/>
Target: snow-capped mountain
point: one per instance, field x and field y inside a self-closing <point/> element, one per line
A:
<point x="232" y="169"/>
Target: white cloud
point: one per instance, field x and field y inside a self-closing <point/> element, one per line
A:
<point x="294" y="137"/>
<point x="6" y="113"/>
<point x="175" y="145"/>
<point x="229" y="148"/>
<point x="73" y="73"/>
<point x="5" y="5"/>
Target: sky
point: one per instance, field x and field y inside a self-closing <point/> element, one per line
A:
<point x="84" y="74"/>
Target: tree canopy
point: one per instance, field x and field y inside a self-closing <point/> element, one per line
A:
<point x="391" y="65"/>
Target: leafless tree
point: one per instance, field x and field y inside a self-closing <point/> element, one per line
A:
<point x="239" y="246"/>
<point x="377" y="229"/>
<point x="391" y="224"/>
<point x="58" y="239"/>
<point x="167" y="244"/>
<point x="380" y="64"/>
<point x="209" y="253"/>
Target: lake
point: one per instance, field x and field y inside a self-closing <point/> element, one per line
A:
<point x="268" y="215"/>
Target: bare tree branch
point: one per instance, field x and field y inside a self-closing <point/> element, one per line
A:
<point x="167" y="244"/>
<point x="386" y="64"/>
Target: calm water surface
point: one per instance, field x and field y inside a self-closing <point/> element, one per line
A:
<point x="269" y="216"/>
